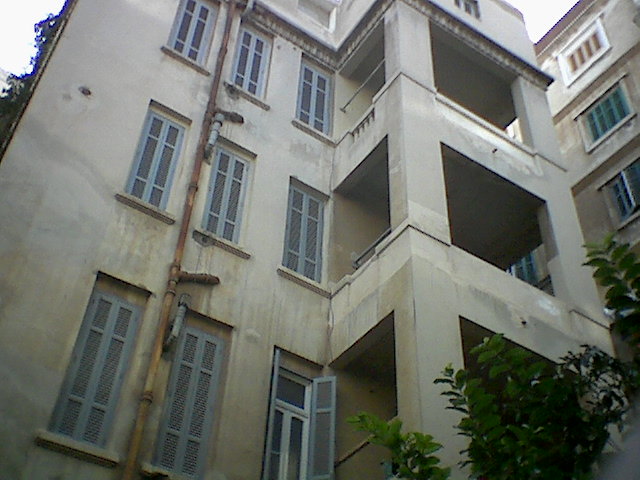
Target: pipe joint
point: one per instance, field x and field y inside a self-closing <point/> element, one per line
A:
<point x="147" y="396"/>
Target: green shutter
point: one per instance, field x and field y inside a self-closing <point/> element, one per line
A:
<point x="90" y="392"/>
<point x="189" y="406"/>
<point x="323" y="430"/>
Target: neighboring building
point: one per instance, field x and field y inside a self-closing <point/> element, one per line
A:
<point x="360" y="203"/>
<point x="594" y="54"/>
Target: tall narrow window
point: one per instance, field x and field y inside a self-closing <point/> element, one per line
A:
<point x="189" y="406"/>
<point x="300" y="442"/>
<point x="607" y="113"/>
<point x="252" y="59"/>
<point x="525" y="269"/>
<point x="192" y="29"/>
<point x="625" y="189"/>
<point x="314" y="98"/>
<point x="469" y="6"/>
<point x="303" y="237"/>
<point x="157" y="154"/>
<point x="91" y="388"/>
<point x="226" y="194"/>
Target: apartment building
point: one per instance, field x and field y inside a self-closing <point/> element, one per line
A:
<point x="594" y="53"/>
<point x="227" y="227"/>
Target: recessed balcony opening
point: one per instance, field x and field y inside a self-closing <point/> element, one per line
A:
<point x="473" y="335"/>
<point x="359" y="79"/>
<point x="473" y="81"/>
<point x="493" y="218"/>
<point x="366" y="383"/>
<point x="361" y="217"/>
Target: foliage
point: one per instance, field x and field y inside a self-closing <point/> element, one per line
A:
<point x="618" y="269"/>
<point x="17" y="93"/>
<point x="531" y="419"/>
<point x="411" y="453"/>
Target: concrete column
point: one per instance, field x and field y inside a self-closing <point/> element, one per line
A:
<point x="563" y="240"/>
<point x="407" y="45"/>
<point x="535" y="118"/>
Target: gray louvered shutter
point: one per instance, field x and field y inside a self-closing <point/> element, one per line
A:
<point x="193" y="28"/>
<point x="189" y="406"/>
<point x="89" y="396"/>
<point x="271" y="457"/>
<point x="314" y="98"/>
<point x="323" y="430"/>
<point x="226" y="195"/>
<point x="312" y="238"/>
<point x="251" y="61"/>
<point x="155" y="160"/>
<point x="303" y="237"/>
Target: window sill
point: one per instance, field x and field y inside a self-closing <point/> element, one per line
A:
<point x="144" y="207"/>
<point x="303" y="281"/>
<point x="184" y="60"/>
<point x="74" y="448"/>
<point x="592" y="146"/>
<point x="630" y="219"/>
<point x="207" y="239"/>
<point x="234" y="92"/>
<point x="153" y="471"/>
<point x="314" y="133"/>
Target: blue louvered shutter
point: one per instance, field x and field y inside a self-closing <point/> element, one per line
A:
<point x="155" y="160"/>
<point x="314" y="98"/>
<point x="251" y="62"/>
<point x="303" y="236"/>
<point x="189" y="406"/>
<point x="323" y="429"/>
<point x="271" y="457"/>
<point x="607" y="113"/>
<point x="90" y="393"/>
<point x="226" y="195"/>
<point x="193" y="28"/>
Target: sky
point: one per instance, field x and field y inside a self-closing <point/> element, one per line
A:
<point x="17" y="20"/>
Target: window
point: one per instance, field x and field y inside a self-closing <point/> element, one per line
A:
<point x="157" y="154"/>
<point x="607" y="113"/>
<point x="252" y="58"/>
<point x="314" y="98"/>
<point x="192" y="29"/>
<point x="583" y="51"/>
<point x="525" y="269"/>
<point x="300" y="441"/>
<point x="91" y="387"/>
<point x="303" y="236"/>
<point x="625" y="190"/>
<point x="189" y="404"/>
<point x="469" y="6"/>
<point x="225" y="197"/>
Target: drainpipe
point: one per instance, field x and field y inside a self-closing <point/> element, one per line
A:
<point x="175" y="272"/>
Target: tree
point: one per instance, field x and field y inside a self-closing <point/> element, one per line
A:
<point x="15" y="96"/>
<point x="528" y="419"/>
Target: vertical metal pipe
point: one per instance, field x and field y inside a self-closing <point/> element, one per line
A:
<point x="146" y="398"/>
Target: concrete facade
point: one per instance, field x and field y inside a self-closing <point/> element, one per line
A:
<point x="427" y="201"/>
<point x="596" y="166"/>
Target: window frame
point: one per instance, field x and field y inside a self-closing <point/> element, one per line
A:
<point x="584" y="117"/>
<point x="206" y="36"/>
<point x="226" y="194"/>
<point x="155" y="163"/>
<point x="309" y="416"/>
<point x="629" y="188"/>
<point x="596" y="28"/>
<point x="183" y="434"/>
<point x="470" y="7"/>
<point x="307" y="196"/>
<point x="327" y="107"/>
<point x="74" y="367"/>
<point x="263" y="68"/>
